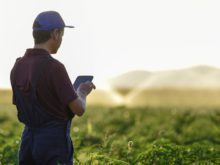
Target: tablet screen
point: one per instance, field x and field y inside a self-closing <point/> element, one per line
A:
<point x="82" y="79"/>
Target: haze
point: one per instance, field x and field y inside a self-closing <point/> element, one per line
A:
<point x="113" y="37"/>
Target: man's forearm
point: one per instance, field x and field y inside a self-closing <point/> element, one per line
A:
<point x="82" y="98"/>
<point x="82" y="91"/>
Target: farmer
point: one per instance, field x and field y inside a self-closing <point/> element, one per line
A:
<point x="45" y="98"/>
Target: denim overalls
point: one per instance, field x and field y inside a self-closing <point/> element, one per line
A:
<point x="45" y="140"/>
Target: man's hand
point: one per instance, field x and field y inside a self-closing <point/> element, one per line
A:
<point x="85" y="88"/>
<point x="78" y="106"/>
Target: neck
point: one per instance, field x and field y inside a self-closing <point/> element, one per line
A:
<point x="42" y="46"/>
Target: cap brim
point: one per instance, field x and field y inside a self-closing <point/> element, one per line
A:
<point x="70" y="26"/>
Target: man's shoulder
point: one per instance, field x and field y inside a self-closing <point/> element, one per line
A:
<point x="56" y="64"/>
<point x="17" y="59"/>
<point x="16" y="63"/>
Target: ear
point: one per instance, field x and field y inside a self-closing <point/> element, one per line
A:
<point x="55" y="34"/>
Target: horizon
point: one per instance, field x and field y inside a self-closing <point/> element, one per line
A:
<point x="105" y="84"/>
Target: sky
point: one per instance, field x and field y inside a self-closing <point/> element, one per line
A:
<point x="116" y="36"/>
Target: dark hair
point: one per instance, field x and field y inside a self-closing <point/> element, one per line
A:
<point x="40" y="36"/>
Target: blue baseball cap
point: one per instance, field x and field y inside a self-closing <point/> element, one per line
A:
<point x="49" y="20"/>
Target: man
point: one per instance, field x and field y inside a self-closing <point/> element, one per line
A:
<point x="45" y="98"/>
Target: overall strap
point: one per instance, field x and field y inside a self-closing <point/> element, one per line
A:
<point x="38" y="73"/>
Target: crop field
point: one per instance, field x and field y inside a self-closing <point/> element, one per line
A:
<point x="154" y="134"/>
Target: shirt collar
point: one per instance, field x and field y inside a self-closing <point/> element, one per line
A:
<point x="36" y="51"/>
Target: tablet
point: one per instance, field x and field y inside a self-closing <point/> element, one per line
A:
<point x="81" y="79"/>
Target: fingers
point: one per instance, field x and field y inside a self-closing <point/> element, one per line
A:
<point x="90" y="84"/>
<point x="86" y="87"/>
